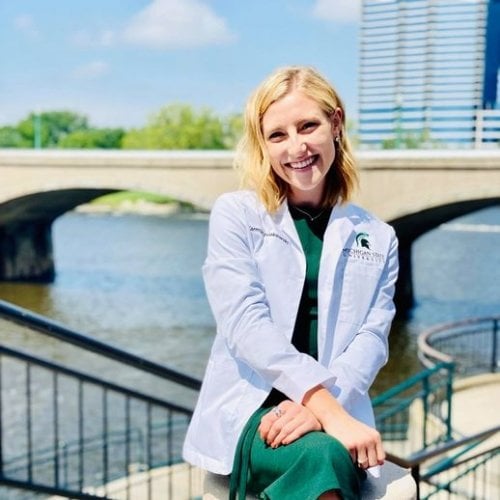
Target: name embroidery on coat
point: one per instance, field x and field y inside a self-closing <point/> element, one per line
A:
<point x="264" y="234"/>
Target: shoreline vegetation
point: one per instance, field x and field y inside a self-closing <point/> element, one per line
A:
<point x="137" y="202"/>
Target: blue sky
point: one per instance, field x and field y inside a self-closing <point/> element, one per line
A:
<point x="119" y="61"/>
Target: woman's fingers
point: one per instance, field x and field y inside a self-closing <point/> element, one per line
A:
<point x="369" y="451"/>
<point x="286" y="423"/>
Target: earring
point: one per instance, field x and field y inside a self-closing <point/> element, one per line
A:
<point x="337" y="139"/>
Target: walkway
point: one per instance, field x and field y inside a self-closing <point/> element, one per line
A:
<point x="475" y="405"/>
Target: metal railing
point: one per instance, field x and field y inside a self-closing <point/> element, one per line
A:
<point x="487" y="128"/>
<point x="72" y="433"/>
<point x="68" y="432"/>
<point x="472" y="345"/>
<point x="468" y="468"/>
<point x="416" y="413"/>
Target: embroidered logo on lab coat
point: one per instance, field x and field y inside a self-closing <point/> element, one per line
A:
<point x="363" y="240"/>
<point x="363" y="250"/>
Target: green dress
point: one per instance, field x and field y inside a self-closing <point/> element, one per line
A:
<point x="316" y="462"/>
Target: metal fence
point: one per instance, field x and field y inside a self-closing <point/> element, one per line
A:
<point x="472" y="345"/>
<point x="416" y="414"/>
<point x="73" y="433"/>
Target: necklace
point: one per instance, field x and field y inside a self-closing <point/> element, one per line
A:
<point x="308" y="215"/>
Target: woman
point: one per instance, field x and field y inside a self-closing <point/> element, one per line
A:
<point x="300" y="283"/>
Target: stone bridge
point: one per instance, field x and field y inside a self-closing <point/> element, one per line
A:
<point x="413" y="190"/>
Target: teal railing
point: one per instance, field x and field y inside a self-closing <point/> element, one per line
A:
<point x="416" y="413"/>
<point x="415" y="417"/>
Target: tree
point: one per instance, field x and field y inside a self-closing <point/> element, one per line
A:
<point x="11" y="137"/>
<point x="104" y="138"/>
<point x="233" y="130"/>
<point x="54" y="125"/>
<point x="178" y="126"/>
<point x="417" y="140"/>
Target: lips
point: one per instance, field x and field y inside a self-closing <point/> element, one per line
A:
<point x="301" y="165"/>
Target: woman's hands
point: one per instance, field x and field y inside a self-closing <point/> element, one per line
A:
<point x="321" y="411"/>
<point x="363" y="442"/>
<point x="286" y="423"/>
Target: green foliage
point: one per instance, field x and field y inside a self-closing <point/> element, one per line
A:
<point x="53" y="126"/>
<point x="104" y="138"/>
<point x="178" y="126"/>
<point x="407" y="140"/>
<point x="175" y="126"/>
<point x="233" y="130"/>
<point x="11" y="137"/>
<point x="115" y="199"/>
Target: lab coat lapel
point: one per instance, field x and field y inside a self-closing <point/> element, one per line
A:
<point x="285" y="221"/>
<point x="339" y="235"/>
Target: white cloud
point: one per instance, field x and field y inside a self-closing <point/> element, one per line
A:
<point x="91" y="70"/>
<point x="167" y="24"/>
<point x="26" y="25"/>
<point x="340" y="11"/>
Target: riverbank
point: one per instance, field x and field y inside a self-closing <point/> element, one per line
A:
<point x="136" y="202"/>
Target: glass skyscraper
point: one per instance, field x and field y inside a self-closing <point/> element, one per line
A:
<point x="429" y="73"/>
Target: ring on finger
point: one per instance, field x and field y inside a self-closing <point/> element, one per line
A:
<point x="278" y="412"/>
<point x="362" y="463"/>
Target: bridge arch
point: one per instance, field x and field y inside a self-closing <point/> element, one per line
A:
<point x="409" y="227"/>
<point x="26" y="231"/>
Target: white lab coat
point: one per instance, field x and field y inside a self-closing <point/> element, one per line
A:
<point x="254" y="274"/>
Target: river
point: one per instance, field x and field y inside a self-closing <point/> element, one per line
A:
<point x="134" y="281"/>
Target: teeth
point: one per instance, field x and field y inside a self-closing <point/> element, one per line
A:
<point x="303" y="164"/>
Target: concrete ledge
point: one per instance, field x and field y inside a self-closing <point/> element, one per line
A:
<point x="395" y="483"/>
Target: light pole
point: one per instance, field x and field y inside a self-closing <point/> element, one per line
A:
<point x="37" y="130"/>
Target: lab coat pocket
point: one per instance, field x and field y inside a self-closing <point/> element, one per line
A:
<point x="359" y="282"/>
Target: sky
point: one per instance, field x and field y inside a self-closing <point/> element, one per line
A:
<point x="119" y="61"/>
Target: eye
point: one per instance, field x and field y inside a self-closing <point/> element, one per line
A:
<point x="275" y="136"/>
<point x="309" y="126"/>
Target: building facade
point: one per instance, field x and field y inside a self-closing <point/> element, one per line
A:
<point x="429" y="74"/>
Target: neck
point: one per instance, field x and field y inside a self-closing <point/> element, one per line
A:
<point x="305" y="200"/>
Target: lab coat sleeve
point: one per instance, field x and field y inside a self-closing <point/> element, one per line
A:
<point x="356" y="368"/>
<point x="238" y="301"/>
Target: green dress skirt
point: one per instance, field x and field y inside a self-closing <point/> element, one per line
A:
<point x="316" y="462"/>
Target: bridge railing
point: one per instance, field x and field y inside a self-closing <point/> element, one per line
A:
<point x="487" y="128"/>
<point x="68" y="432"/>
<point x="472" y="345"/>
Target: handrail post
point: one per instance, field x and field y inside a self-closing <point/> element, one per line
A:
<point x="415" y="473"/>
<point x="449" y="393"/>
<point x="1" y="419"/>
<point x="425" y="403"/>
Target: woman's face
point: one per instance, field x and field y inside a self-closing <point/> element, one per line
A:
<point x="299" y="139"/>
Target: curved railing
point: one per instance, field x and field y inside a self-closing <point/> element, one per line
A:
<point x="471" y="345"/>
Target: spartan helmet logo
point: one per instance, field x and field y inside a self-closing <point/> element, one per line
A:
<point x="362" y="240"/>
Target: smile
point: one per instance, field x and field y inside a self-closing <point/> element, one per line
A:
<point x="300" y="165"/>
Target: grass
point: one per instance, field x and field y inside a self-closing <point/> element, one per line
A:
<point x="115" y="200"/>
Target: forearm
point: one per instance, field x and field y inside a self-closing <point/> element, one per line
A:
<point x="363" y="443"/>
<point x="323" y="405"/>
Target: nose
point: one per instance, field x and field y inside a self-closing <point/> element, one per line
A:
<point x="297" y="145"/>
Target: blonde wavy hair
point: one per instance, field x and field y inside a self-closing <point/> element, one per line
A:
<point x="251" y="154"/>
